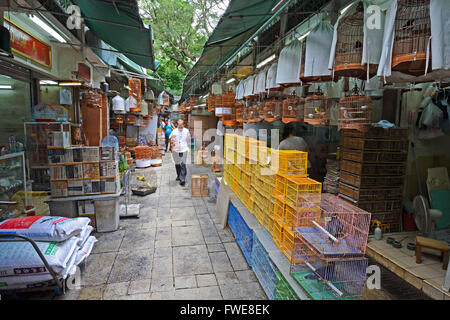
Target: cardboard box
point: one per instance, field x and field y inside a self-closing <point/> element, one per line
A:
<point x="59" y="189"/>
<point x="58" y="173"/>
<point x="74" y="171"/>
<point x="91" y="170"/>
<point x="75" y="188"/>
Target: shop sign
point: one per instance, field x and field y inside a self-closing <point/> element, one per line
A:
<point x="23" y="43"/>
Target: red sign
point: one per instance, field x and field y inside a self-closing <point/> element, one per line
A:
<point x="84" y="71"/>
<point x="29" y="46"/>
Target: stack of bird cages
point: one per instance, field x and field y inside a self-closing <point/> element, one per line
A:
<point x="135" y="92"/>
<point x="372" y="172"/>
<point x="290" y="162"/>
<point x="199" y="185"/>
<point x="317" y="109"/>
<point x="277" y="235"/>
<point x="260" y="111"/>
<point x="255" y="147"/>
<point x="349" y="47"/>
<point x="272" y="110"/>
<point x="412" y="32"/>
<point x="246" y="180"/>
<point x="264" y="268"/>
<point x="295" y="249"/>
<point x="241" y="231"/>
<point x="355" y="112"/>
<point x="281" y="180"/>
<point x="303" y="192"/>
<point x="293" y="109"/>
<point x="332" y="280"/>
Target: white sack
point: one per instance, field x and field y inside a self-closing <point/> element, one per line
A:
<point x="289" y="63"/>
<point x="271" y="80"/>
<point x="260" y="81"/>
<point x="248" y="89"/>
<point x="84" y="235"/>
<point x="85" y="251"/>
<point x="44" y="228"/>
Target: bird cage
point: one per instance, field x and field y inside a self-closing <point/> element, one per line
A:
<point x="131" y="119"/>
<point x="342" y="279"/>
<point x="228" y="99"/>
<point x="229" y="116"/>
<point x="118" y="118"/>
<point x="272" y="110"/>
<point x="182" y="108"/>
<point x="165" y="99"/>
<point x="317" y="109"/>
<point x="252" y="114"/>
<point x="210" y="102"/>
<point x="91" y="99"/>
<point x="142" y="153"/>
<point x="349" y="47"/>
<point x="355" y="112"/>
<point x="323" y="78"/>
<point x="411" y="37"/>
<point x="342" y="231"/>
<point x="239" y="113"/>
<point x="193" y="101"/>
<point x="260" y="115"/>
<point x="293" y="109"/>
<point x="199" y="185"/>
<point x="218" y="101"/>
<point x="135" y="92"/>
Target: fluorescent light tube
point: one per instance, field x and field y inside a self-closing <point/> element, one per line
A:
<point x="48" y="82"/>
<point x="231" y="80"/>
<point x="265" y="61"/>
<point x="6" y="87"/>
<point x="47" y="28"/>
<point x="69" y="84"/>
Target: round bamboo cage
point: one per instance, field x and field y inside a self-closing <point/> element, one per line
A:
<point x="118" y="118"/>
<point x="135" y="91"/>
<point x="228" y="99"/>
<point x="210" y="100"/>
<point x="412" y="37"/>
<point x="293" y="109"/>
<point x="239" y="113"/>
<point x="349" y="47"/>
<point x="272" y="110"/>
<point x="142" y="153"/>
<point x="229" y="116"/>
<point x="91" y="99"/>
<point x="131" y="119"/>
<point x="317" y="109"/>
<point x="193" y="101"/>
<point x="218" y="101"/>
<point x="355" y="112"/>
<point x="252" y="114"/>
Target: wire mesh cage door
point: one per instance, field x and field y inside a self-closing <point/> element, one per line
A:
<point x="349" y="47"/>
<point x="355" y="112"/>
<point x="332" y="280"/>
<point x="272" y="110"/>
<point x="317" y="109"/>
<point x="293" y="109"/>
<point x="412" y="37"/>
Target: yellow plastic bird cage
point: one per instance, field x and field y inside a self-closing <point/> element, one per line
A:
<point x="290" y="162"/>
<point x="303" y="192"/>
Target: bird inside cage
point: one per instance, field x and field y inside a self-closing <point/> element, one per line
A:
<point x="335" y="228"/>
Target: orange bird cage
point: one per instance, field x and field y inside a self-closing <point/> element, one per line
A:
<point x="193" y="101"/>
<point x="210" y="100"/>
<point x="228" y="99"/>
<point x="118" y="118"/>
<point x="355" y="112"/>
<point x="272" y="110"/>
<point x="260" y="115"/>
<point x="142" y="153"/>
<point x="412" y="34"/>
<point x="317" y="109"/>
<point x="252" y="114"/>
<point x="183" y="108"/>
<point x="293" y="109"/>
<point x="239" y="113"/>
<point x="229" y="116"/>
<point x="131" y="119"/>
<point x="135" y="92"/>
<point x="218" y="101"/>
<point x="302" y="69"/>
<point x="349" y="47"/>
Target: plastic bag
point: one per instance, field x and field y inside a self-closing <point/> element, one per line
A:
<point x="431" y="116"/>
<point x="44" y="228"/>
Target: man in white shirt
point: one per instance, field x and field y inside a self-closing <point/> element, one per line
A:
<point x="180" y="138"/>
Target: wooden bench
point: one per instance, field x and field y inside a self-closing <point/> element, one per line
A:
<point x="441" y="246"/>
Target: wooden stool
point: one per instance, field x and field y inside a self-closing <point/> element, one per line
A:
<point x="441" y="246"/>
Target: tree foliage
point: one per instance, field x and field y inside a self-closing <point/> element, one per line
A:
<point x="180" y="28"/>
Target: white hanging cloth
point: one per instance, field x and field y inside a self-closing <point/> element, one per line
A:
<point x="260" y="81"/>
<point x="240" y="91"/>
<point x="317" y="51"/>
<point x="289" y="62"/>
<point x="248" y="90"/>
<point x="216" y="88"/>
<point x="271" y="80"/>
<point x="118" y="104"/>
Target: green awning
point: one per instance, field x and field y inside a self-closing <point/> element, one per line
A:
<point x="119" y="24"/>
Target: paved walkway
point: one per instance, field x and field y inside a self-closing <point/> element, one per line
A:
<point x="175" y="250"/>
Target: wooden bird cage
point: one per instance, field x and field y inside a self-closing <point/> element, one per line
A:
<point x="239" y="113"/>
<point x="142" y="153"/>
<point x="355" y="112"/>
<point x="349" y="47"/>
<point x="252" y="114"/>
<point x="199" y="185"/>
<point x="210" y="102"/>
<point x="317" y="109"/>
<point x="218" y="101"/>
<point x="293" y="109"/>
<point x="118" y="118"/>
<point x="131" y="119"/>
<point x="272" y="110"/>
<point x="412" y="34"/>
<point x="229" y="116"/>
<point x="193" y="101"/>
<point x="166" y="99"/>
<point x="135" y="91"/>
<point x="228" y="99"/>
<point x="302" y="70"/>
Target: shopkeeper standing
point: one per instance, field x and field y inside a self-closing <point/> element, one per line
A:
<point x="180" y="138"/>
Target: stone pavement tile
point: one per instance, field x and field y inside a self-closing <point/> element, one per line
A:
<point x="131" y="265"/>
<point x="227" y="278"/>
<point x="215" y="247"/>
<point x="212" y="240"/>
<point x="180" y="223"/>
<point x="163" y="244"/>
<point x="108" y="241"/>
<point x="182" y="213"/>
<point x="138" y="296"/>
<point x="163" y="222"/>
<point x="209" y="293"/>
<point x="226" y="237"/>
<point x="200" y="209"/>
<point x="138" y="239"/>
<point x="236" y="257"/>
<point x="187" y="236"/>
<point x="97" y="269"/>
<point x="114" y="290"/>
<point x="164" y="233"/>
<point x="161" y="284"/>
<point x="91" y="293"/>
<point x="191" y="260"/>
<point x="187" y="294"/>
<point x="185" y="282"/>
<point x="220" y="262"/>
<point x="209" y="232"/>
<point x="139" y="286"/>
<point x="246" y="276"/>
<point x="231" y="291"/>
<point x="164" y="212"/>
<point x="163" y="204"/>
<point x="206" y="280"/>
<point x="129" y="224"/>
<point x="163" y="252"/>
<point x="149" y="225"/>
<point x="253" y="290"/>
<point x="162" y="267"/>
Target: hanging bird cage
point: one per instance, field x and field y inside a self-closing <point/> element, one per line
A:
<point x="135" y="91"/>
<point x="91" y="99"/>
<point x="165" y="99"/>
<point x="118" y="118"/>
<point x="210" y="102"/>
<point x="272" y="110"/>
<point x="293" y="109"/>
<point x="317" y="109"/>
<point x="412" y="34"/>
<point x="349" y="47"/>
<point x="131" y="119"/>
<point x="355" y="112"/>
<point x="228" y="99"/>
<point x="142" y="153"/>
<point x="260" y="115"/>
<point x="193" y="101"/>
<point x="229" y="116"/>
<point x="324" y="78"/>
<point x="252" y="114"/>
<point x="239" y="113"/>
<point x="218" y="101"/>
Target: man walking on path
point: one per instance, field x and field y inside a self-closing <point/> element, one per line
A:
<point x="180" y="139"/>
